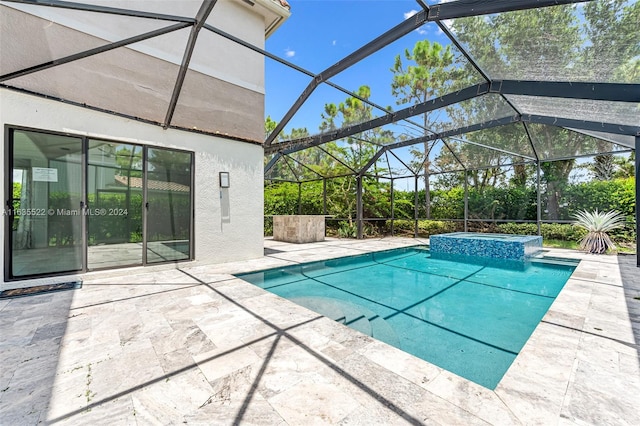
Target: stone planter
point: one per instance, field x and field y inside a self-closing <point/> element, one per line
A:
<point x="298" y="228"/>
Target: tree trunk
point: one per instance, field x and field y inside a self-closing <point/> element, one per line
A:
<point x="427" y="187"/>
<point x="519" y="175"/>
<point x="557" y="176"/>
<point x="553" y="200"/>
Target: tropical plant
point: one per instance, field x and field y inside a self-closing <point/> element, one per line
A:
<point x="347" y="230"/>
<point x="597" y="224"/>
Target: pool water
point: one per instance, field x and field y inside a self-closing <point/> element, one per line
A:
<point x="470" y="316"/>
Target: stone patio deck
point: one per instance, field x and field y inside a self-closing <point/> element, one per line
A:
<point x="196" y="345"/>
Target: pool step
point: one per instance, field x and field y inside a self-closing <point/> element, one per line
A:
<point x="352" y="315"/>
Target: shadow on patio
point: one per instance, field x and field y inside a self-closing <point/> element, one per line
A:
<point x="630" y="274"/>
<point x="31" y="330"/>
<point x="180" y="349"/>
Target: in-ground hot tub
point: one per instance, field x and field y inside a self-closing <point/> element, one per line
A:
<point x="497" y="246"/>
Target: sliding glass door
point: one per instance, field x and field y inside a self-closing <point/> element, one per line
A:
<point x="79" y="204"/>
<point x="169" y="210"/>
<point x="45" y="204"/>
<point x="114" y="204"/>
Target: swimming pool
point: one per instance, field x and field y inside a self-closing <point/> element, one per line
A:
<point x="470" y="316"/>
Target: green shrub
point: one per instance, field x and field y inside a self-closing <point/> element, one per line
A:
<point x="433" y="227"/>
<point x="447" y="204"/>
<point x="403" y="225"/>
<point x="549" y="231"/>
<point x="282" y="198"/>
<point x="425" y="227"/>
<point x="517" y="228"/>
<point x="347" y="230"/>
<point x="561" y="231"/>
<point x="616" y="194"/>
<point x="268" y="226"/>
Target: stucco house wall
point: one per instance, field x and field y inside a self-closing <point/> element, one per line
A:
<point x="219" y="114"/>
<point x="228" y="223"/>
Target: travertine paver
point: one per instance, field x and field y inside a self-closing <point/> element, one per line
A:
<point x="196" y="345"/>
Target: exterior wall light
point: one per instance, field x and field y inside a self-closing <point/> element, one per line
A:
<point x="224" y="179"/>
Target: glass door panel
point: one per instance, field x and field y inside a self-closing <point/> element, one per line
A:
<point x="46" y="210"/>
<point x="169" y="209"/>
<point x="114" y="204"/>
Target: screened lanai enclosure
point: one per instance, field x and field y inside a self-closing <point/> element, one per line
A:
<point x="399" y="116"/>
<point x="501" y="116"/>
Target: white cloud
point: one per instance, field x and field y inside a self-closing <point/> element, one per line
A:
<point x="333" y="43"/>
<point x="410" y="13"/>
<point x="289" y="53"/>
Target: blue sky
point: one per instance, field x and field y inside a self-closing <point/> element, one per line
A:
<point x="320" y="33"/>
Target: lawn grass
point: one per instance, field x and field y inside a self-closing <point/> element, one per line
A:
<point x="561" y="244"/>
<point x="626" y="248"/>
<point x="621" y="247"/>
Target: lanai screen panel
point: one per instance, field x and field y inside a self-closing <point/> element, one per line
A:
<point x="283" y="85"/>
<point x="47" y="41"/>
<point x="326" y="110"/>
<point x="396" y="79"/>
<point x="222" y="97"/>
<point x="185" y="8"/>
<point x="492" y="147"/>
<point x="117" y="80"/>
<point x="281" y="171"/>
<point x="468" y="115"/>
<point x="322" y="161"/>
<point x="625" y="113"/>
<point x="434" y="156"/>
<point x="624" y="141"/>
<point x="355" y="151"/>
<point x="400" y="162"/>
<point x="51" y="33"/>
<point x="129" y="57"/>
<point x="342" y="33"/>
<point x="557" y="143"/>
<point x="301" y="170"/>
<point x="380" y="168"/>
<point x="590" y="41"/>
<point x="477" y="110"/>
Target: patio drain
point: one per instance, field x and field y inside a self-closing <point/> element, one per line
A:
<point x="40" y="289"/>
